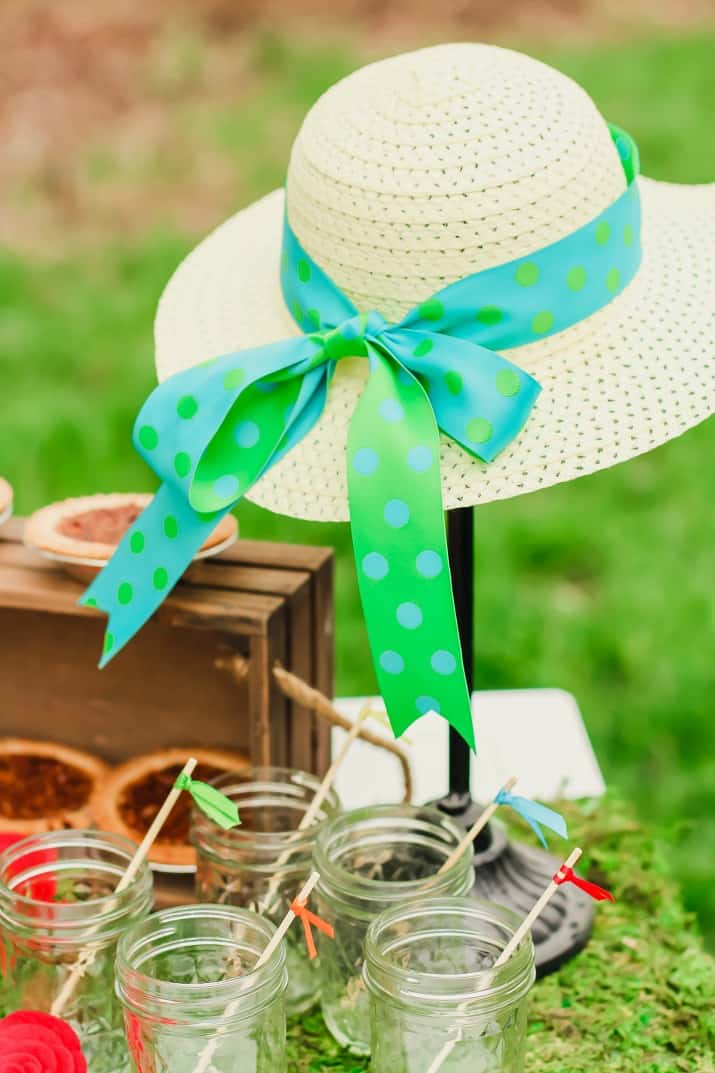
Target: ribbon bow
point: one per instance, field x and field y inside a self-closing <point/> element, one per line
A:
<point x="212" y="431"/>
<point x="219" y="808"/>
<point x="566" y="874"/>
<point x="308" y="918"/>
<point x="535" y="814"/>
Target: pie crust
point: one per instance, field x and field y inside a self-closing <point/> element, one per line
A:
<point x="136" y="790"/>
<point x="45" y="786"/>
<point x="82" y="528"/>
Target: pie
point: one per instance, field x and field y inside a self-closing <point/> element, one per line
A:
<point x="136" y="790"/>
<point x="5" y="499"/>
<point x="89" y="528"/>
<point x="46" y="786"/>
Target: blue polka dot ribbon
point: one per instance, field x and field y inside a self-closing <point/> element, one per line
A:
<point x="212" y="431"/>
<point x="535" y="814"/>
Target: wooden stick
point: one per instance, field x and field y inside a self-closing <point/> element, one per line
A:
<point x="314" y="807"/>
<point x="536" y="910"/>
<point x="478" y="826"/>
<point x="523" y="930"/>
<point x="206" y="1056"/>
<point x="87" y="957"/>
<point x="301" y="899"/>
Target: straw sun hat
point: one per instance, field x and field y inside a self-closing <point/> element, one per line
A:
<point x="465" y="219"/>
<point x="419" y="170"/>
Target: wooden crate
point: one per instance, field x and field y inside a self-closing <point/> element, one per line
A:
<point x="173" y="685"/>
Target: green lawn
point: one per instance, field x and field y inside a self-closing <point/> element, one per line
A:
<point x="603" y="587"/>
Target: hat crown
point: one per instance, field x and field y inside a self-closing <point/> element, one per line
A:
<point x="418" y="170"/>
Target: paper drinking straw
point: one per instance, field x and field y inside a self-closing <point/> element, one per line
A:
<point x="87" y="957"/>
<point x="508" y="950"/>
<point x="314" y="807"/>
<point x="301" y="899"/>
<point x="536" y="910"/>
<point x="206" y="1056"/>
<point x="478" y="826"/>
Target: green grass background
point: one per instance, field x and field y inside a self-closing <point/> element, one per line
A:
<point x="603" y="586"/>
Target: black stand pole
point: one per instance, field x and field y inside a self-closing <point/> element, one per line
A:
<point x="506" y="872"/>
<point x="460" y="541"/>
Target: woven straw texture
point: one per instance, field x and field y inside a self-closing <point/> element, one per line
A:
<point x="417" y="171"/>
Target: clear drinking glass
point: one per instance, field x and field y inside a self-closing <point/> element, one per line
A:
<point x="262" y="864"/>
<point x="56" y="901"/>
<point x="193" y="999"/>
<point x="435" y="1002"/>
<point x="370" y="859"/>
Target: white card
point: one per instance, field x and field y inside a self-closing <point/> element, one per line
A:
<point x="535" y="734"/>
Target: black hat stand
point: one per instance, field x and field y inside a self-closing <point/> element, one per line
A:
<point x="507" y="872"/>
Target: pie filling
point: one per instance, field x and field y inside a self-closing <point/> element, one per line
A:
<point x="139" y="802"/>
<point x="101" y="525"/>
<point x="33" y="786"/>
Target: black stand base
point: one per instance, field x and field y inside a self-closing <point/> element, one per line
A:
<point x="515" y="875"/>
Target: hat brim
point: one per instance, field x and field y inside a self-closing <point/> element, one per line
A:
<point x="639" y="372"/>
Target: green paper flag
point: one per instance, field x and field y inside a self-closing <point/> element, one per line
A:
<point x="211" y="801"/>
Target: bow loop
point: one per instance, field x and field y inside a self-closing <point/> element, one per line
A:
<point x="185" y="416"/>
<point x="479" y="398"/>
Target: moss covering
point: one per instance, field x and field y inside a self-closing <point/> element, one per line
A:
<point x="639" y="999"/>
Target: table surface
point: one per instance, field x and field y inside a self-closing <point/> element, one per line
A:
<point x="638" y="999"/>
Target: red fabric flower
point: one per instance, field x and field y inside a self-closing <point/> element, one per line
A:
<point x="34" y="1042"/>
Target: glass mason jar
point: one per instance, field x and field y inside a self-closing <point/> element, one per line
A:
<point x="56" y="903"/>
<point x="369" y="860"/>
<point x="194" y="1001"/>
<point x="435" y="1003"/>
<point x="262" y="864"/>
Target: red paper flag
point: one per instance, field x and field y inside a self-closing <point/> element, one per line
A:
<point x="567" y="875"/>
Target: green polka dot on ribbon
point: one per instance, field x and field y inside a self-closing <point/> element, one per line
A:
<point x="148" y="437"/>
<point x="187" y="407"/>
<point x="527" y="274"/>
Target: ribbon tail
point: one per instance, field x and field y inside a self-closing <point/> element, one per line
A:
<point x="219" y="808"/>
<point x="309" y="940"/>
<point x="535" y="814"/>
<point x="400" y="545"/>
<point x="534" y="825"/>
<point x="309" y="920"/>
<point x="156" y="551"/>
<point x="302" y="913"/>
<point x="322" y="925"/>
<point x="599" y="894"/>
<point x="146" y="566"/>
